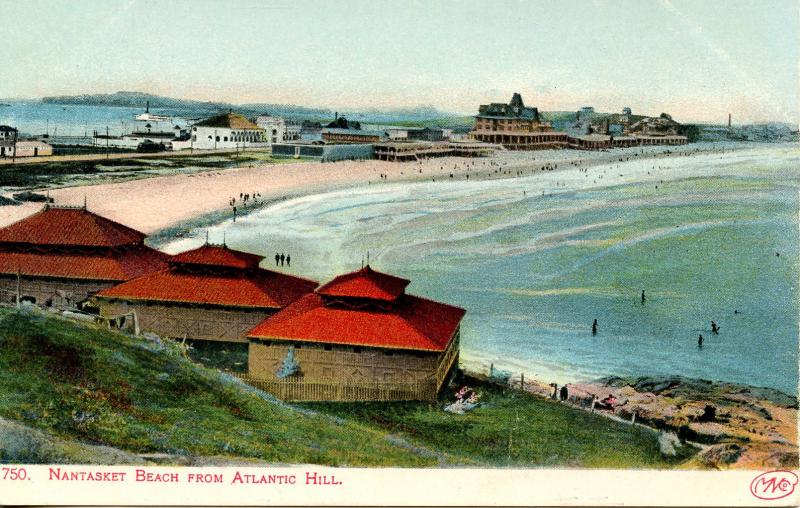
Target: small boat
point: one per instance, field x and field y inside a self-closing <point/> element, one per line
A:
<point x="147" y="117"/>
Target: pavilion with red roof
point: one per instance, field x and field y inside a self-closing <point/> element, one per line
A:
<point x="61" y="256"/>
<point x="209" y="293"/>
<point x="363" y="337"/>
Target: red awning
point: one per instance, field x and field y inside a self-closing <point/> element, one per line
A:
<point x="413" y="323"/>
<point x="365" y="283"/>
<point x="258" y="288"/>
<point x="70" y="227"/>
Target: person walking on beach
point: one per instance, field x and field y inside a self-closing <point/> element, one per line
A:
<point x="714" y="328"/>
<point x="594" y="327"/>
<point x="700" y="341"/>
<point x="277" y="259"/>
<point x="282" y="258"/>
<point x="288" y="260"/>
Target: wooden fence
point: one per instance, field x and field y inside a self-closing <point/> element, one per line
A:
<point x="296" y="389"/>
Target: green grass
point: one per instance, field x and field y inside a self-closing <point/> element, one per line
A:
<point x="512" y="428"/>
<point x="37" y="174"/>
<point x="81" y="383"/>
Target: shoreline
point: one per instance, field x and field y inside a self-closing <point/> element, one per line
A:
<point x="316" y="177"/>
<point x="159" y="204"/>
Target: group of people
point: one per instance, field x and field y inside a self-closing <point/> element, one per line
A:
<point x="281" y="258"/>
<point x="243" y="198"/>
<point x="715" y="328"/>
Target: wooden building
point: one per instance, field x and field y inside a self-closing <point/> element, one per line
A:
<point x="209" y="293"/>
<point x="61" y="256"/>
<point x="515" y="126"/>
<point x="334" y="135"/>
<point x="358" y="337"/>
<point x="398" y="151"/>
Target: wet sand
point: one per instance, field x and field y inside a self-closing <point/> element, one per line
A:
<point x="156" y="203"/>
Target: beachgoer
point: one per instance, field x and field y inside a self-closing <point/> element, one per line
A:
<point x="642" y="296"/>
<point x="288" y="260"/>
<point x="282" y="259"/>
<point x="714" y="328"/>
<point x="594" y="327"/>
<point x="700" y="340"/>
<point x="277" y="259"/>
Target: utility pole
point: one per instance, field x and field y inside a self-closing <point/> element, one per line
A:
<point x="14" y="153"/>
<point x="19" y="290"/>
<point x="107" y="155"/>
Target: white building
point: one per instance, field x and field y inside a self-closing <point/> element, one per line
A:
<point x="7" y="133"/>
<point x="227" y="131"/>
<point x="24" y="149"/>
<point x="293" y="128"/>
<point x="274" y="127"/>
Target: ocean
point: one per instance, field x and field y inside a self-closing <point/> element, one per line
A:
<point x="35" y="118"/>
<point x="535" y="260"/>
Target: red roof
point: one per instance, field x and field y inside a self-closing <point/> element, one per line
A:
<point x="109" y="266"/>
<point x="366" y="283"/>
<point x="70" y="226"/>
<point x="218" y="255"/>
<point x="414" y="323"/>
<point x="259" y="288"/>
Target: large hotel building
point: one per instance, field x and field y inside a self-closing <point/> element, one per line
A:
<point x="516" y="127"/>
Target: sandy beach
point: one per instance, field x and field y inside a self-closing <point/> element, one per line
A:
<point x="153" y="204"/>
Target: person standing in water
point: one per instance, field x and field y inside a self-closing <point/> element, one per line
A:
<point x="642" y="296"/>
<point x="594" y="327"/>
<point x="700" y="340"/>
<point x="714" y="328"/>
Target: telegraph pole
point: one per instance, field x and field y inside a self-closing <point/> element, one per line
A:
<point x="14" y="153"/>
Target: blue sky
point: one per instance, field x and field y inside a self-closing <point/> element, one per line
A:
<point x="697" y="60"/>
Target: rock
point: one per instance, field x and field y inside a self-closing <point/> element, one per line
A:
<point x="668" y="443"/>
<point x="22" y="444"/>
<point x="721" y="455"/>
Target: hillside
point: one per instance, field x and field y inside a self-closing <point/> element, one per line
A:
<point x="78" y="382"/>
<point x="75" y="389"/>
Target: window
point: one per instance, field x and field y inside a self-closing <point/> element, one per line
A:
<point x="226" y="138"/>
<point x="298" y="346"/>
<point x="267" y="343"/>
<point x="217" y="138"/>
<point x="328" y="347"/>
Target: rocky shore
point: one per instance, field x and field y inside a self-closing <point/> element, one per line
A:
<point x="736" y="426"/>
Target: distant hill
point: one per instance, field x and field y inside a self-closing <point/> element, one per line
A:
<point x="186" y="107"/>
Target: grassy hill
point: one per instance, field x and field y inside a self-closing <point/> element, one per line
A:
<point x="79" y="388"/>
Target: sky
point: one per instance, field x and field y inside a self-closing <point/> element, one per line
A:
<point x="698" y="61"/>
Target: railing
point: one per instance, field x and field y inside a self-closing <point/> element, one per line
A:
<point x="447" y="362"/>
<point x="297" y="389"/>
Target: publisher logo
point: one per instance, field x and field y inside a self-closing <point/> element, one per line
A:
<point x="773" y="485"/>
